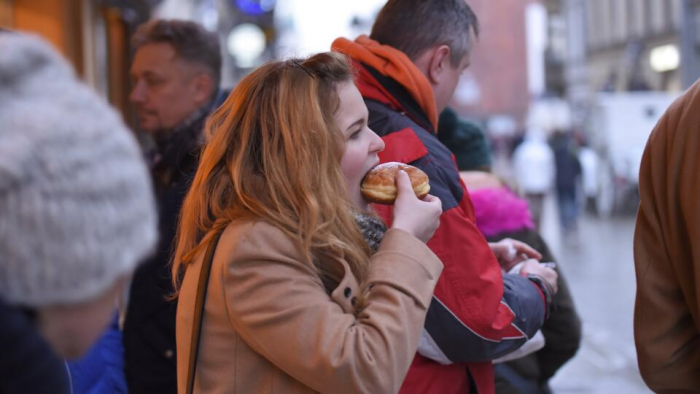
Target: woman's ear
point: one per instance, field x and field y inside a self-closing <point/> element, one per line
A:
<point x="438" y="62"/>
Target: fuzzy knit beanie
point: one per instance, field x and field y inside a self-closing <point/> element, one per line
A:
<point x="76" y="203"/>
<point x="465" y="140"/>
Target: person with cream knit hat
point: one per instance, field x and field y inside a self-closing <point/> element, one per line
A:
<point x="77" y="212"/>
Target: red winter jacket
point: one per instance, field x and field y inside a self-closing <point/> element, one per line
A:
<point x="477" y="314"/>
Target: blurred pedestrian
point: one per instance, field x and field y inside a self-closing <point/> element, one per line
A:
<point x="534" y="170"/>
<point x="409" y="68"/>
<point x="589" y="176"/>
<point x="666" y="251"/>
<point x="296" y="301"/>
<point x="176" y="72"/>
<point x="568" y="174"/>
<point x="76" y="215"/>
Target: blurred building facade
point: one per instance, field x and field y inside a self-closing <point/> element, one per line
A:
<point x="627" y="45"/>
<point x="528" y="49"/>
<point x="246" y="29"/>
<point x="92" y="34"/>
<point x="498" y="87"/>
<point x="556" y="47"/>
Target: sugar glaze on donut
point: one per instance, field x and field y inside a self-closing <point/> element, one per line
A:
<point x="379" y="185"/>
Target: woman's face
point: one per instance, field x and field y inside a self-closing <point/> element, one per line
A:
<point x="361" y="143"/>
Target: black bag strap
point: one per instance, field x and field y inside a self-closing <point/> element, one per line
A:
<point x="202" y="287"/>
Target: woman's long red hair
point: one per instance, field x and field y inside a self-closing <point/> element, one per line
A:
<point x="273" y="154"/>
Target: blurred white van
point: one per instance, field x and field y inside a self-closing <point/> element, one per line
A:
<point x="618" y="130"/>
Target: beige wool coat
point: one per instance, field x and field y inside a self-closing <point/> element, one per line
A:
<point x="271" y="327"/>
<point x="667" y="251"/>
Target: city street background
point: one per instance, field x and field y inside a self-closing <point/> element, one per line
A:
<point x="600" y="273"/>
<point x="600" y="72"/>
<point x="599" y="268"/>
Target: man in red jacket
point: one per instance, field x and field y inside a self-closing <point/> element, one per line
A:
<point x="407" y="72"/>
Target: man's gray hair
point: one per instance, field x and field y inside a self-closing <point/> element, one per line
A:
<point x="413" y="26"/>
<point x="191" y="41"/>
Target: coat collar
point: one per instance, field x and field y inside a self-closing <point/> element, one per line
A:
<point x="394" y="64"/>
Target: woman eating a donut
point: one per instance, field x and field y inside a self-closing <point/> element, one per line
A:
<point x="280" y="290"/>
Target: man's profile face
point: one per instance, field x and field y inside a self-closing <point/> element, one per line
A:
<point x="165" y="89"/>
<point x="449" y="80"/>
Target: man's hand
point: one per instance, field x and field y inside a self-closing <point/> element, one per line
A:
<point x="510" y="252"/>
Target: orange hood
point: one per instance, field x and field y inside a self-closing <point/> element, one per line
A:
<point x="394" y="64"/>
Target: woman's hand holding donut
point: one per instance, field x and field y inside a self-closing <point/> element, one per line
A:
<point x="417" y="217"/>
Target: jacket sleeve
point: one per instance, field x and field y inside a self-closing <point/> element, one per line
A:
<point x="666" y="254"/>
<point x="101" y="370"/>
<point x="477" y="314"/>
<point x="28" y="364"/>
<point x="562" y="330"/>
<point x="288" y="313"/>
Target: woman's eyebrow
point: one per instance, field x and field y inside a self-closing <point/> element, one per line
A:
<point x="356" y="123"/>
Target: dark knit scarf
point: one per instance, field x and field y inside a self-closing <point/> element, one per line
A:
<point x="181" y="140"/>
<point x="372" y="228"/>
<point x="178" y="149"/>
<point x="184" y="139"/>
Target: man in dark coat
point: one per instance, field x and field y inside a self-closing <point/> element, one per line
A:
<point x="176" y="72"/>
<point x="26" y="356"/>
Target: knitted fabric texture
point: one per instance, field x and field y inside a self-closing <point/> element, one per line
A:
<point x="76" y="202"/>
<point x="372" y="228"/>
<point x="499" y="210"/>
<point x="465" y="140"/>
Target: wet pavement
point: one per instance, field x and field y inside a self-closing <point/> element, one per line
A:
<point x="599" y="268"/>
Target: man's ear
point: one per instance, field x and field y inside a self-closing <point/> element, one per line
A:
<point x="203" y="88"/>
<point x="438" y="62"/>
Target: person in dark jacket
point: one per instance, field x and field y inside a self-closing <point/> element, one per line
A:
<point x="176" y="72"/>
<point x="501" y="214"/>
<point x="27" y="362"/>
<point x="77" y="215"/>
<point x="407" y="72"/>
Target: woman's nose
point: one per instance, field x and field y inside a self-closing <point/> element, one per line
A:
<point x="377" y="144"/>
